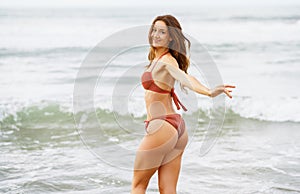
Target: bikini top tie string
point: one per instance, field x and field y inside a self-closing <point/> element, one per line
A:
<point x="177" y="101"/>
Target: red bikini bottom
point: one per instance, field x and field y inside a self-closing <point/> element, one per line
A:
<point x="174" y="119"/>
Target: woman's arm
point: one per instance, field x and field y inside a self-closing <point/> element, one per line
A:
<point x="192" y="83"/>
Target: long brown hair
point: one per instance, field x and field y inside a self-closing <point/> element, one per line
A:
<point x="179" y="44"/>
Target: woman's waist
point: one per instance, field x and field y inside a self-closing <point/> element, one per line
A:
<point x="158" y="105"/>
<point x="154" y="97"/>
<point x="156" y="111"/>
<point x="155" y="116"/>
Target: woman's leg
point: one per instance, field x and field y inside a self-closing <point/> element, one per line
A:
<point x="168" y="173"/>
<point x="168" y="176"/>
<point x="141" y="180"/>
<point x="159" y="141"/>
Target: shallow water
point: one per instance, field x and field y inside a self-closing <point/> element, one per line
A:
<point x="250" y="156"/>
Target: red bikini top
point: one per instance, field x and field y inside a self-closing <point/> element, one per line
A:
<point x="149" y="84"/>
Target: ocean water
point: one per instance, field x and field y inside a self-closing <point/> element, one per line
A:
<point x="49" y="147"/>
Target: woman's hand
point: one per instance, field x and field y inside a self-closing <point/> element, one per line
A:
<point x="222" y="89"/>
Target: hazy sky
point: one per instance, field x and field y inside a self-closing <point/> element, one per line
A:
<point x="87" y="3"/>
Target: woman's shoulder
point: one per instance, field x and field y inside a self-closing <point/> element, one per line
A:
<point x="169" y="60"/>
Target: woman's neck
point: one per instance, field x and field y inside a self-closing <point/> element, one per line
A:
<point x="160" y="51"/>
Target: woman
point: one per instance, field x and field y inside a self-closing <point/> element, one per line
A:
<point x="162" y="147"/>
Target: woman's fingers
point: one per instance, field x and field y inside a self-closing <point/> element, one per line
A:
<point x="228" y="86"/>
<point x="227" y="93"/>
<point x="225" y="89"/>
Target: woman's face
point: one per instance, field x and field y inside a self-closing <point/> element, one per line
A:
<point x="160" y="35"/>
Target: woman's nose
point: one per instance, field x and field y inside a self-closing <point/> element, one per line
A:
<point x="156" y="34"/>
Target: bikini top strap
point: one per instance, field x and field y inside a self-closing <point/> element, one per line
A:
<point x="158" y="60"/>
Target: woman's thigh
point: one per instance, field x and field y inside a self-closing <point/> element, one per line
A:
<point x="177" y="150"/>
<point x="168" y="175"/>
<point x="161" y="138"/>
